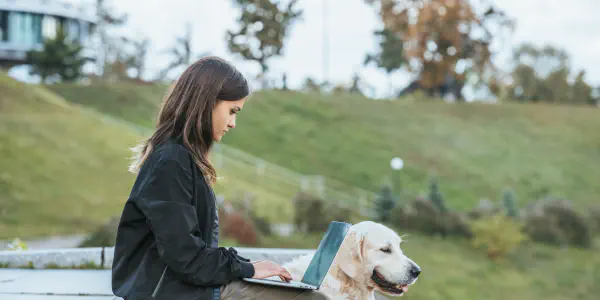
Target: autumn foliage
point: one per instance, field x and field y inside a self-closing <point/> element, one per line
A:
<point x="239" y="227"/>
<point x="438" y="34"/>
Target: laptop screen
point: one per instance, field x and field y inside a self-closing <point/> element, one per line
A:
<point x="323" y="258"/>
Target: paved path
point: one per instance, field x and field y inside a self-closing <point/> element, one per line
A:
<point x="55" y="242"/>
<point x="19" y="284"/>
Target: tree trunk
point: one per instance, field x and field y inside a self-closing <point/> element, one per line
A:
<point x="263" y="74"/>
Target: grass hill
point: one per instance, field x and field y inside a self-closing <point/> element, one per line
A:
<point x="452" y="269"/>
<point x="62" y="170"/>
<point x="475" y="149"/>
<point x="63" y="167"/>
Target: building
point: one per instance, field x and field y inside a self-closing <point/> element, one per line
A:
<point x="24" y="24"/>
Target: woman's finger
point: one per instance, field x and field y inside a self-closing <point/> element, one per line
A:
<point x="286" y="274"/>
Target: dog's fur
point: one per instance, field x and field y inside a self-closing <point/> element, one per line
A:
<point x="360" y="253"/>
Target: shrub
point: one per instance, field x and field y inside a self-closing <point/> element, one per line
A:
<point x="309" y="213"/>
<point x="556" y="222"/>
<point x="17" y="245"/>
<point x="498" y="235"/>
<point x="341" y="214"/>
<point x="104" y="236"/>
<point x="236" y="226"/>
<point x="262" y="224"/>
<point x="510" y="203"/>
<point x="435" y="196"/>
<point x="457" y="224"/>
<point x="485" y="208"/>
<point x="419" y="215"/>
<point x="574" y="226"/>
<point x="594" y="219"/>
<point x="544" y="229"/>
<point x="422" y="215"/>
<point x="312" y="214"/>
<point x="384" y="204"/>
<point x="241" y="202"/>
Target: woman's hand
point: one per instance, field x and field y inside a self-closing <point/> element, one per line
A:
<point x="265" y="268"/>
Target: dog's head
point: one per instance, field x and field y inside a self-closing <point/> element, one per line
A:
<point x="371" y="256"/>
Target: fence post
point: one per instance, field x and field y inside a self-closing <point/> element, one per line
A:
<point x="321" y="186"/>
<point x="260" y="167"/>
<point x="218" y="156"/>
<point x="304" y="184"/>
<point x="362" y="202"/>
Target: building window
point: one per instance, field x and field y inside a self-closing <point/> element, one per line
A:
<point x="14" y="27"/>
<point x="84" y="31"/>
<point x="49" y="27"/>
<point x="27" y="30"/>
<point x="37" y="29"/>
<point x="3" y="26"/>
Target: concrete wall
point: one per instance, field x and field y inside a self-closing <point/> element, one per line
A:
<point x="103" y="257"/>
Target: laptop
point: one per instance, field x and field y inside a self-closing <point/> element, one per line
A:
<point x="320" y="263"/>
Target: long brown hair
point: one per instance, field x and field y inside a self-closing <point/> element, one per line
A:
<point x="186" y="111"/>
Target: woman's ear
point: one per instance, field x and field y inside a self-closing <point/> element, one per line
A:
<point x="351" y="254"/>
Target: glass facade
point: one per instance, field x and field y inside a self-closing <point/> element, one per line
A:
<point x="28" y="29"/>
<point x="3" y="26"/>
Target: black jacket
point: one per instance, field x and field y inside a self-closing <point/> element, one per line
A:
<point x="164" y="235"/>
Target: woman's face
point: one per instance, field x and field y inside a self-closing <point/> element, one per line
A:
<point x="223" y="117"/>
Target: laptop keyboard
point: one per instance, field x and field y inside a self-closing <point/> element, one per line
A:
<point x="291" y="282"/>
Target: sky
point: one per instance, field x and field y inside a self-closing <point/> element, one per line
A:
<point x="350" y="25"/>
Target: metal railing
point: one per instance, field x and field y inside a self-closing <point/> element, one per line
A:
<point x="235" y="161"/>
<point x="273" y="177"/>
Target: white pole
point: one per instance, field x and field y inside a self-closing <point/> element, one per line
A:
<point x="325" y="43"/>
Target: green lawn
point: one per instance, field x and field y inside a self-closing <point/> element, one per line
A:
<point x="62" y="170"/>
<point x="452" y="269"/>
<point x="475" y="149"/>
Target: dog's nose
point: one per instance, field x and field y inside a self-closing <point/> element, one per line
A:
<point x="415" y="271"/>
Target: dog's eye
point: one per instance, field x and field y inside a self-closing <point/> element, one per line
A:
<point x="386" y="250"/>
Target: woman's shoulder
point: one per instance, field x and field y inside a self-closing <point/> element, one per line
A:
<point x="170" y="153"/>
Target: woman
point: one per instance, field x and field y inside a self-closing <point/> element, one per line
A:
<point x="167" y="239"/>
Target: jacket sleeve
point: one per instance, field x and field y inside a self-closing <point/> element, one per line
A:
<point x="165" y="199"/>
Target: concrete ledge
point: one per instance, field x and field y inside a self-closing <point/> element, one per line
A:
<point x="103" y="257"/>
<point x="55" y="258"/>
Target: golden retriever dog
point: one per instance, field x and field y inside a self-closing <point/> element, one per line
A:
<point x="369" y="260"/>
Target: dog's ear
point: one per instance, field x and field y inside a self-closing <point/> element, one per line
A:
<point x="351" y="254"/>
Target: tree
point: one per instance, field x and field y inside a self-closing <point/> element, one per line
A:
<point x="391" y="52"/>
<point x="311" y="85"/>
<point x="59" y="56"/>
<point x="510" y="203"/>
<point x="181" y="53"/>
<point x="525" y="84"/>
<point x="355" y="86"/>
<point x="596" y="96"/>
<point x="440" y="34"/>
<point x="435" y="196"/>
<point x="541" y="74"/>
<point x="582" y="92"/>
<point x="109" y="44"/>
<point x="384" y="203"/>
<point x="556" y="88"/>
<point x="498" y="235"/>
<point x="264" y="27"/>
<point x="284" y="82"/>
